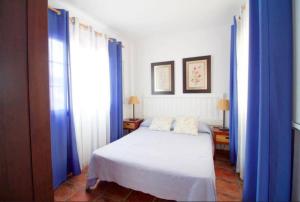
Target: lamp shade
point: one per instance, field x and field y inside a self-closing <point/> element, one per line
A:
<point x="133" y="100"/>
<point x="223" y="104"/>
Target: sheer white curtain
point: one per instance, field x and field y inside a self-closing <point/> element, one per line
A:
<point x="242" y="83"/>
<point x="89" y="88"/>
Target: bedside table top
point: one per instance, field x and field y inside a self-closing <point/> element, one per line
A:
<point x="131" y="125"/>
<point x="133" y="121"/>
<point x="217" y="129"/>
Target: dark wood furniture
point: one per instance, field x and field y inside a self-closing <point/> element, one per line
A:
<point x="296" y="165"/>
<point x="221" y="137"/>
<point x="185" y="73"/>
<point x="131" y="125"/>
<point x="172" y="90"/>
<point x="25" y="146"/>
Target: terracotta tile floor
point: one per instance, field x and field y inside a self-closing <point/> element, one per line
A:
<point x="229" y="187"/>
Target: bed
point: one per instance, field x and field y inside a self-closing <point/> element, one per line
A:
<point x="164" y="164"/>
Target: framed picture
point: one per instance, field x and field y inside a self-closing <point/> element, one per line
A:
<point x="197" y="75"/>
<point x="162" y="78"/>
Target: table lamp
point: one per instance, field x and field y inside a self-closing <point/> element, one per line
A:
<point x="133" y="100"/>
<point x="223" y="105"/>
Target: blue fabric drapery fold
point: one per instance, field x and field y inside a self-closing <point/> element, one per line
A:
<point x="63" y="142"/>
<point x="233" y="125"/>
<point x="269" y="140"/>
<point x="116" y="98"/>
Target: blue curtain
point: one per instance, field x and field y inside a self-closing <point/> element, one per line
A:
<point x="63" y="143"/>
<point x="116" y="107"/>
<point x="233" y="126"/>
<point x="269" y="141"/>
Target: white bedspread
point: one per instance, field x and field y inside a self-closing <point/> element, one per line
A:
<point x="164" y="164"/>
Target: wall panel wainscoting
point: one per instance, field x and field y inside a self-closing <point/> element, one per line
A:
<point x="204" y="107"/>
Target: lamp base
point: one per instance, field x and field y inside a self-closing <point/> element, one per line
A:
<point x="133" y="119"/>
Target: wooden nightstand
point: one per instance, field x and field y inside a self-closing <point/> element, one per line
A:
<point x="131" y="125"/>
<point x="221" y="136"/>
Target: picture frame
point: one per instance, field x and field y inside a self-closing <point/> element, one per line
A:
<point x="197" y="74"/>
<point x="162" y="78"/>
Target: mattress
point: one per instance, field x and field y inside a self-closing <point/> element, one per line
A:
<point x="164" y="164"/>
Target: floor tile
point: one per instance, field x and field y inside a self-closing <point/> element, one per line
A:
<point x="137" y="196"/>
<point x="103" y="199"/>
<point x="225" y="173"/>
<point x="116" y="192"/>
<point x="162" y="200"/>
<point x="85" y="196"/>
<point x="63" y="192"/>
<point x="79" y="179"/>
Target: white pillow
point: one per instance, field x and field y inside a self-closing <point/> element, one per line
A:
<point x="161" y="124"/>
<point x="186" y="125"/>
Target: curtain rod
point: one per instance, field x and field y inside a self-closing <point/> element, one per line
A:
<point x="72" y="19"/>
<point x="86" y="26"/>
<point x="54" y="10"/>
<point x="113" y="39"/>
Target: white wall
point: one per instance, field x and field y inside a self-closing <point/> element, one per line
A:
<point x="103" y="28"/>
<point x="138" y="55"/>
<point x="214" y="41"/>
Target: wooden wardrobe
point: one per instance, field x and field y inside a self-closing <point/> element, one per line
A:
<point x="25" y="146"/>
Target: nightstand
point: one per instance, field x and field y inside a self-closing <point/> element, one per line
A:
<point x="221" y="137"/>
<point x="131" y="125"/>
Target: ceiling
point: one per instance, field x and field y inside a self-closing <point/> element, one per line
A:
<point x="140" y="18"/>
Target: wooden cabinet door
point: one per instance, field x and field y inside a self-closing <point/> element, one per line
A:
<point x="25" y="146"/>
